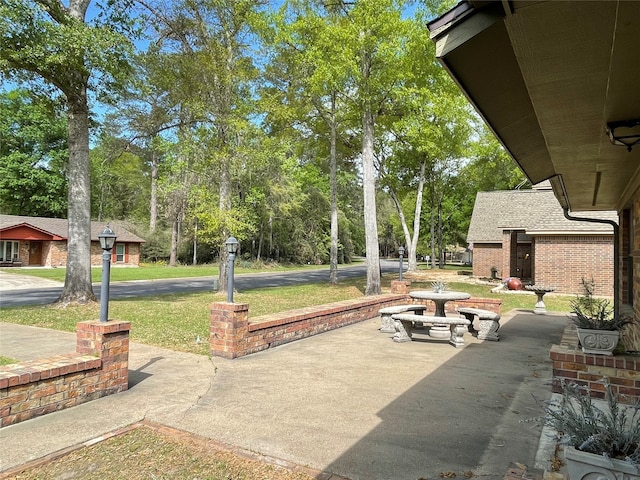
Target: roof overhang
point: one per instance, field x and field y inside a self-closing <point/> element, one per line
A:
<point x="26" y="231"/>
<point x="547" y="77"/>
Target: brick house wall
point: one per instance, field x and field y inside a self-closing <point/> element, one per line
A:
<point x="562" y="261"/>
<point x="131" y="254"/>
<point x="54" y="254"/>
<point x="486" y="256"/>
<point x="635" y="228"/>
<point x="559" y="261"/>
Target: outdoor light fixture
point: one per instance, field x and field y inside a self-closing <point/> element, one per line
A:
<point x="232" y="248"/>
<point x="232" y="245"/>
<point x="625" y="133"/>
<point x="107" y="241"/>
<point x="400" y="253"/>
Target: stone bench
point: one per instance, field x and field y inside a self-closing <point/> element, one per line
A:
<point x="385" y="314"/>
<point x="403" y="323"/>
<point x="488" y="322"/>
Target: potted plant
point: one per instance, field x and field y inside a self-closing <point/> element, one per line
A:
<point x="598" y="329"/>
<point x="599" y="442"/>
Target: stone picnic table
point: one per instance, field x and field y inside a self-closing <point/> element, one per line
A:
<point x="439" y="299"/>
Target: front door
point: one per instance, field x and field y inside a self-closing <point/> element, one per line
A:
<point x="35" y="253"/>
<point x="523" y="263"/>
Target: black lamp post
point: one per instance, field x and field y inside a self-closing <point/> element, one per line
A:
<point x="232" y="248"/>
<point x="107" y="241"/>
<point x="401" y="253"/>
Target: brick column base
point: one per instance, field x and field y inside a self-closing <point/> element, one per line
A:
<point x="109" y="341"/>
<point x="400" y="286"/>
<point x="228" y="328"/>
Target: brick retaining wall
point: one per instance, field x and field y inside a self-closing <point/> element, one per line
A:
<point x="570" y="364"/>
<point x="232" y="334"/>
<point x="99" y="367"/>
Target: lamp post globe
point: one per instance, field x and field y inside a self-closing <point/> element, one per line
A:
<point x="107" y="240"/>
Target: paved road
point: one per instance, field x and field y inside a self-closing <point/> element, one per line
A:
<point x="47" y="294"/>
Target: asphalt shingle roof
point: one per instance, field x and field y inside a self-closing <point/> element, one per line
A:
<point x="535" y="211"/>
<point x="60" y="227"/>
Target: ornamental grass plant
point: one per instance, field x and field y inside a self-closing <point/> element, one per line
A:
<point x="612" y="431"/>
<point x="595" y="313"/>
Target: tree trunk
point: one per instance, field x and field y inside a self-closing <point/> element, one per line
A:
<point x="432" y="231"/>
<point x="173" y="256"/>
<point x="411" y="241"/>
<point x="333" y="251"/>
<point x="413" y="264"/>
<point x="224" y="205"/>
<point x="195" y="243"/>
<point x="153" y="204"/>
<point x="370" y="221"/>
<point x="441" y="252"/>
<point x="77" y="283"/>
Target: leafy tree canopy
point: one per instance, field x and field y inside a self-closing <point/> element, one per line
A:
<point x="33" y="153"/>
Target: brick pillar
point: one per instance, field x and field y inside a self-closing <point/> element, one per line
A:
<point x="109" y="341"/>
<point x="400" y="286"/>
<point x="228" y="328"/>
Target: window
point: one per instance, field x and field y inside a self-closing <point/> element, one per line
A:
<point x="8" y="250"/>
<point x="120" y="253"/>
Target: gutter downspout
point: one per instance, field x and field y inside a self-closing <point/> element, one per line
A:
<point x="616" y="259"/>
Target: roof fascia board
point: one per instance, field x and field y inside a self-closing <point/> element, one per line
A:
<point x="455" y="35"/>
<point x="580" y="233"/>
<point x="28" y="225"/>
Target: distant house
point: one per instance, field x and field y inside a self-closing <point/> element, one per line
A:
<point x="38" y="241"/>
<point x="524" y="233"/>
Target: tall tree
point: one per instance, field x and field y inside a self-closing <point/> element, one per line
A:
<point x="144" y="113"/>
<point x="373" y="36"/>
<point x="212" y="38"/>
<point x="309" y="89"/>
<point x="427" y="136"/>
<point x="33" y="153"/>
<point x="46" y="41"/>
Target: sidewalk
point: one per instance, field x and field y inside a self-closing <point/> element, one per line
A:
<point x="349" y="401"/>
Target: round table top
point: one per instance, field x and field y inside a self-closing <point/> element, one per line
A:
<point x="446" y="295"/>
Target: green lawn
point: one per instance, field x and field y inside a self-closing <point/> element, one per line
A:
<point x="176" y="321"/>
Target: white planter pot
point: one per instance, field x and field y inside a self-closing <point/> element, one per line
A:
<point x="588" y="466"/>
<point x="598" y="341"/>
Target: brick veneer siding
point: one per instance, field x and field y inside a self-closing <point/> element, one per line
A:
<point x="486" y="256"/>
<point x="562" y="261"/>
<point x="635" y="222"/>
<point x="631" y="236"/>
<point x="99" y="367"/>
<point x="132" y="255"/>
<point x="570" y="364"/>
<point x="232" y="334"/>
<point x="54" y="253"/>
<point x="626" y="257"/>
